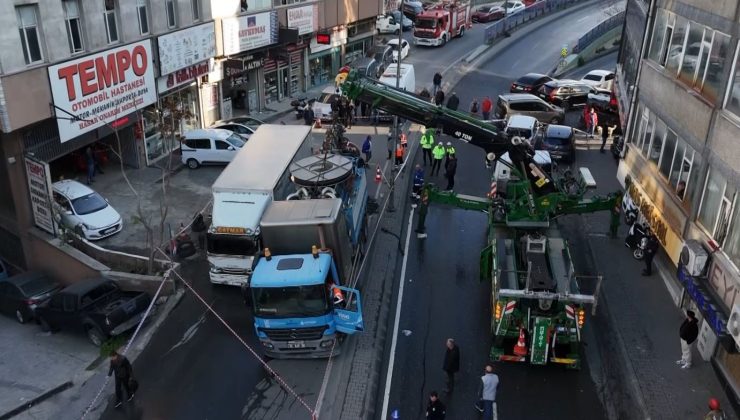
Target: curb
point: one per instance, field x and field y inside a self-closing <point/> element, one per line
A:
<point x="30" y="403"/>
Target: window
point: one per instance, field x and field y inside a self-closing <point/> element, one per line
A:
<point x="143" y="16"/>
<point x="733" y="100"/>
<point x="195" y="5"/>
<point x="657" y="44"/>
<point x="692" y="53"/>
<point x="222" y="145"/>
<point x="714" y="192"/>
<point x="718" y="60"/>
<point x="171" y="13"/>
<point x="111" y="28"/>
<point x="657" y="146"/>
<point x="29" y="30"/>
<point x="732" y="241"/>
<point x="198" y="143"/>
<point x="669" y="150"/>
<point x="648" y="136"/>
<point x="676" y="47"/>
<point x="74" y="25"/>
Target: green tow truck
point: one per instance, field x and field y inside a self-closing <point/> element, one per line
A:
<point x="538" y="302"/>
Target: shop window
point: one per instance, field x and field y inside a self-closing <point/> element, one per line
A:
<point x="171" y="13"/>
<point x="732" y="241"/>
<point x="30" y="36"/>
<point x="141" y="11"/>
<point x="658" y="42"/>
<point x="195" y="5"/>
<point x="73" y="20"/>
<point x="669" y="149"/>
<point x="676" y="48"/>
<point x="657" y="146"/>
<point x="712" y="201"/>
<point x="111" y="24"/>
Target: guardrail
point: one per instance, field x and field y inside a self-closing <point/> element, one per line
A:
<point x="502" y="27"/>
<point x="599" y="30"/>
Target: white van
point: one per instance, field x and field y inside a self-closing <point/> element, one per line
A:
<point x="209" y="146"/>
<point x="407" y="80"/>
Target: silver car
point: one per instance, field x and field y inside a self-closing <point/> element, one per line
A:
<point x="529" y="105"/>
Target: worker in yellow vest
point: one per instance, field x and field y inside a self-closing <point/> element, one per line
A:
<point x="427" y="142"/>
<point x="449" y="151"/>
<point x="439" y="154"/>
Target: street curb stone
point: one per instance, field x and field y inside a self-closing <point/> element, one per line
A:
<point x="32" y="402"/>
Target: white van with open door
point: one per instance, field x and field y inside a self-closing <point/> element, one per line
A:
<point x="407" y="81"/>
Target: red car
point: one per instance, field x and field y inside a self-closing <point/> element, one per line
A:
<point x="488" y="13"/>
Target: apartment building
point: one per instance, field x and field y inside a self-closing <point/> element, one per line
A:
<point x="78" y="73"/>
<point x="683" y="155"/>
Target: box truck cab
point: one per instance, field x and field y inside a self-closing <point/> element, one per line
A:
<point x="407" y="81"/>
<point x="442" y="22"/>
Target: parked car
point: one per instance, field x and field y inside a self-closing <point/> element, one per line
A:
<point x="20" y="295"/>
<point x="97" y="307"/>
<point x="565" y="93"/>
<point x="242" y="130"/>
<point x="87" y="213"/>
<point x="529" y="83"/>
<point x="250" y="122"/>
<point x="405" y="48"/>
<point x="598" y="78"/>
<point x="527" y="104"/>
<point x="366" y="66"/>
<point x="411" y="8"/>
<point x="488" y="13"/>
<point x="393" y="22"/>
<point x="523" y="126"/>
<point x="209" y="146"/>
<point x="513" y="7"/>
<point x="383" y="54"/>
<point x="322" y="106"/>
<point x="560" y="141"/>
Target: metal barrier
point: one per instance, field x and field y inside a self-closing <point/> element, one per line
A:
<point x="599" y="30"/>
<point x="534" y="11"/>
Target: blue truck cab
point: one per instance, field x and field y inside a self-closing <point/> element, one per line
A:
<point x="300" y="308"/>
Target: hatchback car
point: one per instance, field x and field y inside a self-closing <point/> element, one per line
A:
<point x="21" y="294"/>
<point x="565" y="93"/>
<point x="530" y="83"/>
<point x="488" y="13"/>
<point x="242" y="130"/>
<point x="87" y="213"/>
<point x="598" y="78"/>
<point x="514" y="7"/>
<point x="530" y="105"/>
<point x="560" y="141"/>
<point x="209" y="146"/>
<point x="405" y="48"/>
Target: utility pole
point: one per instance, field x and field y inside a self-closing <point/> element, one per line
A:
<point x="396" y="129"/>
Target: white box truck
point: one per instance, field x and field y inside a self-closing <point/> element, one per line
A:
<point x="258" y="175"/>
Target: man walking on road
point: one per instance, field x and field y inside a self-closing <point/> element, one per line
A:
<point x="450" y="171"/>
<point x="436" y="410"/>
<point x="437" y="82"/>
<point x="604" y="134"/>
<point x="593" y="120"/>
<point x="367" y="149"/>
<point x="688" y="332"/>
<point x="453" y="102"/>
<point x="439" y="98"/>
<point x="486" y="107"/>
<point x="451" y="364"/>
<point x="124" y="376"/>
<point x="439" y="154"/>
<point x="474" y="107"/>
<point x="449" y="151"/>
<point x="650" y="250"/>
<point x="487" y="391"/>
<point x="427" y="142"/>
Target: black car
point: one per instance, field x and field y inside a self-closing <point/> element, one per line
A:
<point x="20" y="295"/>
<point x="565" y="93"/>
<point x="530" y="83"/>
<point x="560" y="141"/>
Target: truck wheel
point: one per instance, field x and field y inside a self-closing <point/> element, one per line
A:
<point x="193" y="164"/>
<point x="462" y="32"/>
<point x="95" y="335"/>
<point x="444" y="40"/>
<point x="396" y="31"/>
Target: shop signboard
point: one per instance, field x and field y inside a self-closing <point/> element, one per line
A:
<point x="671" y="241"/>
<point x="246" y="33"/>
<point x="696" y="289"/>
<point x="182" y="77"/>
<point x="305" y="19"/>
<point x="94" y="90"/>
<point x="185" y="48"/>
<point x="337" y="39"/>
<point x="39" y="188"/>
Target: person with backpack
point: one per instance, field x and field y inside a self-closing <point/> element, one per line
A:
<point x="474" y="107"/>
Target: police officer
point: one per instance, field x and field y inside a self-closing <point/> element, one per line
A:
<point x="449" y="151"/>
<point x="439" y="153"/>
<point x="427" y="142"/>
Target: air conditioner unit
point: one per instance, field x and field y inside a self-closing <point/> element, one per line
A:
<point x="733" y="324"/>
<point x="694" y="257"/>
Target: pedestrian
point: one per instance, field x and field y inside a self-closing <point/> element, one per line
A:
<point x="418" y="182"/>
<point x="604" y="135"/>
<point x="586" y="114"/>
<point x="98" y="168"/>
<point x="124" y="376"/>
<point x="403" y="140"/>
<point x="715" y="413"/>
<point x="439" y="153"/>
<point x="449" y="151"/>
<point x="427" y="142"/>
<point x="474" y="106"/>
<point x="399" y="155"/>
<point x="450" y="171"/>
<point x="439" y="98"/>
<point x="486" y="107"/>
<point x="436" y="410"/>
<point x="367" y="148"/>
<point x="425" y="94"/>
<point x="389" y="143"/>
<point x="651" y="248"/>
<point x="593" y="121"/>
<point x="451" y="363"/>
<point x="487" y="392"/>
<point x="453" y="102"/>
<point x="688" y="332"/>
<point x="437" y="83"/>
<point x="90" y="159"/>
<point x="336" y="106"/>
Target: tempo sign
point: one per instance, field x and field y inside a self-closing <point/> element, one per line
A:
<point x="100" y="88"/>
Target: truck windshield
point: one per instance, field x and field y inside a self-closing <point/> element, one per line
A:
<point x="231" y="245"/>
<point x="295" y="301"/>
<point x="426" y="23"/>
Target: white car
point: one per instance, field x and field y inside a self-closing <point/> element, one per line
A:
<point x="209" y="146"/>
<point x="322" y="106"/>
<point x="405" y="48"/>
<point x="513" y="7"/>
<point x="599" y="78"/>
<point x="79" y="208"/>
<point x="244" y="131"/>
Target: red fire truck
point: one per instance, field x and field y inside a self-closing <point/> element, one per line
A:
<point x="442" y="22"/>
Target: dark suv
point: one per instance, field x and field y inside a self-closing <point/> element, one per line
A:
<point x="530" y="83"/>
<point x="565" y="93"/>
<point x="560" y="141"/>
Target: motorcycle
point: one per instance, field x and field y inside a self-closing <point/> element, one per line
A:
<point x="617" y="147"/>
<point x="299" y="107"/>
<point x="637" y="240"/>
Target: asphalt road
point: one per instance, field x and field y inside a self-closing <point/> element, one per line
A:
<point x="443" y="297"/>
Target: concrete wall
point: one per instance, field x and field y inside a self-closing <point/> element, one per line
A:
<point x="724" y="145"/>
<point x="63" y="262"/>
<point x="27" y="96"/>
<point x="330" y="15"/>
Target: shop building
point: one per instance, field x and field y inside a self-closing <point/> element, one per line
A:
<point x="682" y="157"/>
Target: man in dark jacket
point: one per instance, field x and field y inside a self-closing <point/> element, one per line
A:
<point x="437" y="82"/>
<point x="451" y="364"/>
<point x="436" y="410"/>
<point x="439" y="98"/>
<point x="650" y="250"/>
<point x="453" y="102"/>
<point x="450" y="171"/>
<point x="688" y="332"/>
<point x="124" y="376"/>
